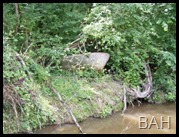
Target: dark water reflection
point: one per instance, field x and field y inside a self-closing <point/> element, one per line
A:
<point x="127" y="123"/>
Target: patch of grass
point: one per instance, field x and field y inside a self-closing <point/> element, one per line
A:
<point x="82" y="96"/>
<point x="107" y="110"/>
<point x="118" y="106"/>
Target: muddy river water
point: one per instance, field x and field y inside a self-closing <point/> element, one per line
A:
<point x="144" y="119"/>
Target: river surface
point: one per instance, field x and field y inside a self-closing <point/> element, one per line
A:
<point x="144" y="119"/>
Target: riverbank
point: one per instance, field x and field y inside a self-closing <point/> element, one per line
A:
<point x="96" y="97"/>
<point x="30" y="104"/>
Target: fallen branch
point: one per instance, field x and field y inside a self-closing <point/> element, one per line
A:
<point x="23" y="65"/>
<point x="66" y="106"/>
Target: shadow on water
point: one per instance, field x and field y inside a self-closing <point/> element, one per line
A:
<point x="155" y="116"/>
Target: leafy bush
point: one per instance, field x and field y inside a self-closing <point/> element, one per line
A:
<point x="23" y="105"/>
<point x="134" y="34"/>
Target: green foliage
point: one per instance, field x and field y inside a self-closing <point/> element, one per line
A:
<point x="106" y="111"/>
<point x="134" y="34"/>
<point x="44" y="21"/>
<point x="39" y="73"/>
<point x="170" y="96"/>
<point x="158" y="97"/>
<point x="9" y="18"/>
<point x="44" y="29"/>
<point x="23" y="106"/>
<point x="69" y="88"/>
<point x="89" y="73"/>
<point x="11" y="68"/>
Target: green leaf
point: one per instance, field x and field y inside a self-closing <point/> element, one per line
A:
<point x="165" y="26"/>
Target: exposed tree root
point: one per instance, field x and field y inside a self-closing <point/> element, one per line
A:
<point x="124" y="99"/>
<point x="137" y="93"/>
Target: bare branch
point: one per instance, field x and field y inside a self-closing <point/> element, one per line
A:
<point x="66" y="106"/>
<point x="23" y="65"/>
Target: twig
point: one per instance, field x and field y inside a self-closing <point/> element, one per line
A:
<point x="125" y="102"/>
<point x="27" y="49"/>
<point x="126" y="128"/>
<point x="14" y="106"/>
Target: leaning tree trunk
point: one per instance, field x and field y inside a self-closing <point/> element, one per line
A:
<point x="137" y="93"/>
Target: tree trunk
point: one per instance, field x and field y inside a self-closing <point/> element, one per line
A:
<point x="17" y="16"/>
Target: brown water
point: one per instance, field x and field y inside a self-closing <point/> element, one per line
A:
<point x="127" y="123"/>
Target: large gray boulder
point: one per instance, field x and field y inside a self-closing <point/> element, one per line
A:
<point x="96" y="60"/>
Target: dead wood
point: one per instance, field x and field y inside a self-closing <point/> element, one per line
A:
<point x="23" y="65"/>
<point x="137" y="93"/>
<point x="124" y="99"/>
<point x="66" y="106"/>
